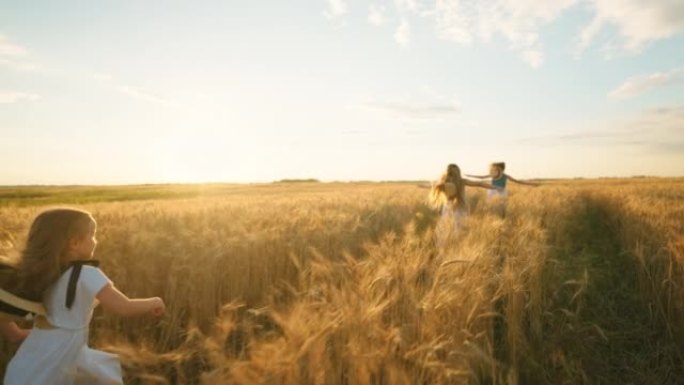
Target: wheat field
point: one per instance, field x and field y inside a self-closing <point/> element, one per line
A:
<point x="359" y="283"/>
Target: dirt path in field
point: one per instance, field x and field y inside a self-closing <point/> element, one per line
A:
<point x="598" y="325"/>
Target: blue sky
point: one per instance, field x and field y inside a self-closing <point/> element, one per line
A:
<point x="123" y="91"/>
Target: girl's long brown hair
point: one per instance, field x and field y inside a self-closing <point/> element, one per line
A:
<point x="437" y="193"/>
<point x="44" y="256"/>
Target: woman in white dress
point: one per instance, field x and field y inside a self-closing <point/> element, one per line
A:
<point x="56" y="267"/>
<point x="448" y="195"/>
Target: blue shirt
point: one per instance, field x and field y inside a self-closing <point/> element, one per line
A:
<point x="500" y="182"/>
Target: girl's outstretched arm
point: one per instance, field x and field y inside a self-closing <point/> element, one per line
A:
<point x="118" y="303"/>
<point x="478" y="176"/>
<point x="472" y="183"/>
<point x="12" y="332"/>
<point x="535" y="184"/>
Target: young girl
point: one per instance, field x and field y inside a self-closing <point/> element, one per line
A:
<point x="56" y="267"/>
<point x="448" y="194"/>
<point x="499" y="179"/>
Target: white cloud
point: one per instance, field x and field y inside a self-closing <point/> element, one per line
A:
<point x="423" y="104"/>
<point x="653" y="130"/>
<point x="453" y="22"/>
<point x="669" y="120"/>
<point x="411" y="111"/>
<point x="408" y="5"/>
<point x="521" y="22"/>
<point x="640" y="84"/>
<point x="587" y="34"/>
<point x="403" y="34"/>
<point x="14" y="56"/>
<point x="518" y="21"/>
<point x="376" y="14"/>
<point x="18" y="65"/>
<point x="335" y="8"/>
<point x="132" y="91"/>
<point x="533" y="57"/>
<point x="7" y="97"/>
<point x="8" y="48"/>
<point x="639" y="22"/>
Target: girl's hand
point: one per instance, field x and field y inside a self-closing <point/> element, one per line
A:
<point x="157" y="307"/>
<point x="12" y="332"/>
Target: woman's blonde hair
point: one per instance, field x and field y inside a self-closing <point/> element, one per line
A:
<point x="44" y="257"/>
<point x="449" y="189"/>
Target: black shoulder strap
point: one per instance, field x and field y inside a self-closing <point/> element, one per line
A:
<point x="73" y="279"/>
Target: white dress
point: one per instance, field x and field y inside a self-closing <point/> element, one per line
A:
<point x="497" y="194"/>
<point x="61" y="356"/>
<point x="456" y="215"/>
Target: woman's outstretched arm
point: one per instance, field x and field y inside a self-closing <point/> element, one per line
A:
<point x="472" y="183"/>
<point x="478" y="176"/>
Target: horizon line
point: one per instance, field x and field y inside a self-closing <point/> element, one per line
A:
<point x="315" y="180"/>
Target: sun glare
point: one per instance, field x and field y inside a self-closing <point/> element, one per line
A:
<point x="188" y="158"/>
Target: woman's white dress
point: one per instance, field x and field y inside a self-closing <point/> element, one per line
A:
<point x="454" y="215"/>
<point x="61" y="356"/>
